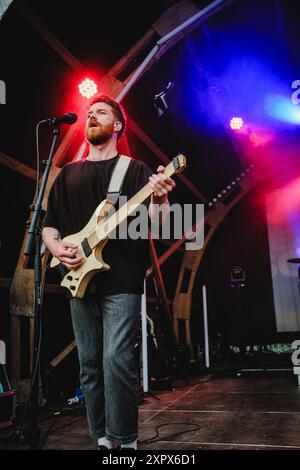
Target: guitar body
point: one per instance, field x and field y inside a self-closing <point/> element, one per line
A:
<point x="76" y="280"/>
<point x="93" y="237"/>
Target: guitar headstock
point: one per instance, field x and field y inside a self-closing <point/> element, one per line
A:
<point x="179" y="163"/>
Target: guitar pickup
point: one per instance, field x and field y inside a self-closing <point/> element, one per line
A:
<point x="86" y="248"/>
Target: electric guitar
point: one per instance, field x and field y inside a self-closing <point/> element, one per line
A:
<point x="94" y="236"/>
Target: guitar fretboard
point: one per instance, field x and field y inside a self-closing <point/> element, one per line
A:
<point x="104" y="230"/>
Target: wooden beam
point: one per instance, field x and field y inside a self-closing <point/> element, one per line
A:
<point x="143" y="42"/>
<point x="15" y="165"/>
<point x="46" y="34"/>
<point x="63" y="354"/>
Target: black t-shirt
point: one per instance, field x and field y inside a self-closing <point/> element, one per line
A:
<point x="77" y="191"/>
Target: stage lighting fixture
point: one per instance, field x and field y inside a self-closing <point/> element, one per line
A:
<point x="236" y="123"/>
<point x="88" y="88"/>
<point x="237" y="277"/>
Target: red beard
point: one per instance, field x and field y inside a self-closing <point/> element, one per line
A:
<point x="99" y="134"/>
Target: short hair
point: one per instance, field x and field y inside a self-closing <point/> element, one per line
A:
<point x="117" y="110"/>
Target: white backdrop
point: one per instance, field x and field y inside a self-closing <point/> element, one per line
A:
<point x="283" y="218"/>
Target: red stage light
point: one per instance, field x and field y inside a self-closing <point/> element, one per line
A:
<point x="88" y="88"/>
<point x="236" y="123"/>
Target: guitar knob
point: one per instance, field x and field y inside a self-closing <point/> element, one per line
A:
<point x="70" y="278"/>
<point x="72" y="287"/>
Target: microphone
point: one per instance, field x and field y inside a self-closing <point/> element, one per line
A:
<point x="68" y="118"/>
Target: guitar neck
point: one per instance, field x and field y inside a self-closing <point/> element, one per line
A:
<point x="127" y="209"/>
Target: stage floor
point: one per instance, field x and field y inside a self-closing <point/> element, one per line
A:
<point x="242" y="410"/>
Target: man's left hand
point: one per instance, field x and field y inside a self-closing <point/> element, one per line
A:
<point x="161" y="185"/>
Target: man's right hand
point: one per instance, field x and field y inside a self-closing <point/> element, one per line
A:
<point x="66" y="253"/>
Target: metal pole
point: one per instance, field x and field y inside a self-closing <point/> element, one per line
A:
<point x="205" y="323"/>
<point x="144" y="340"/>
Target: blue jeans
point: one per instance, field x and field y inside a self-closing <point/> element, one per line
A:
<point x="105" y="331"/>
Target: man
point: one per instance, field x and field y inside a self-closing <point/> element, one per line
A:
<point x="105" y="321"/>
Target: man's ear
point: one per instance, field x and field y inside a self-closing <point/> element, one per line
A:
<point x="118" y="126"/>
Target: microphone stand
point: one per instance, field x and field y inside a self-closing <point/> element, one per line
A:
<point x="34" y="233"/>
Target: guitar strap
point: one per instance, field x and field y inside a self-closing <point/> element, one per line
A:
<point x="117" y="178"/>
